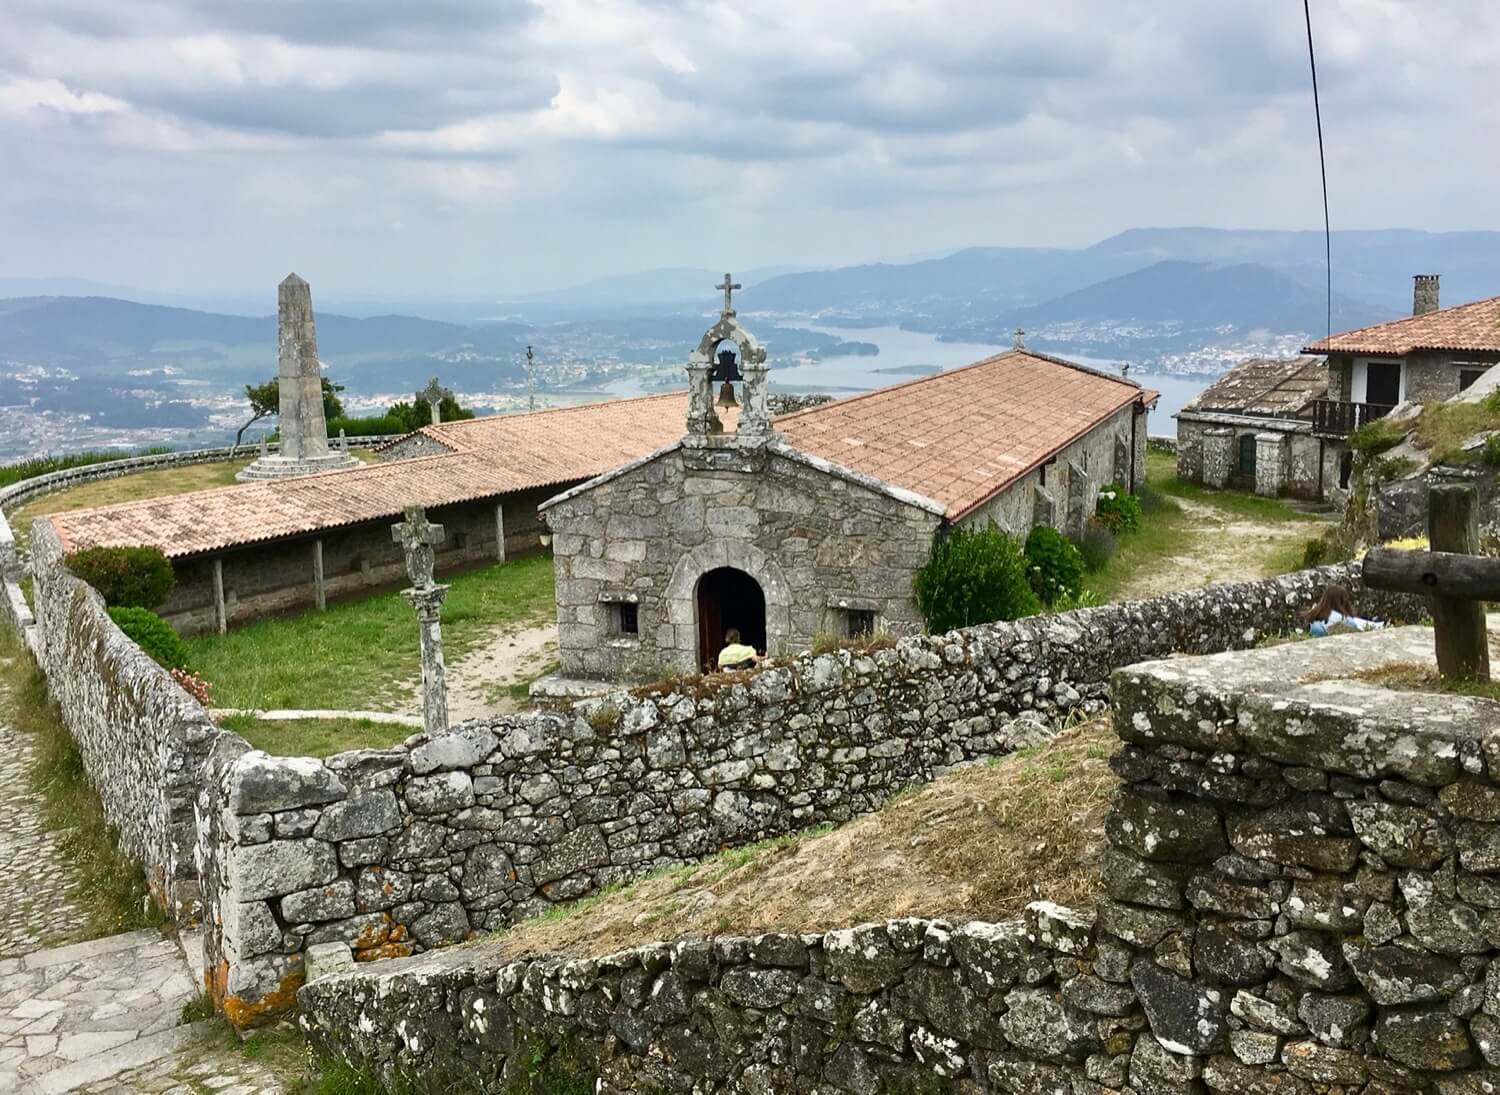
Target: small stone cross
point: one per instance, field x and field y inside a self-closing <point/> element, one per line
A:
<point x="1019" y="339"/>
<point x="729" y="285"/>
<point x="433" y="395"/>
<point x="418" y="539"/>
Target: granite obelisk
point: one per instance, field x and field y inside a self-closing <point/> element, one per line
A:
<point x="299" y="380"/>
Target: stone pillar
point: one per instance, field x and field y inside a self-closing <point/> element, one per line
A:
<point x="755" y="415"/>
<point x="299" y="382"/>
<point x="320" y="591"/>
<point x="702" y="418"/>
<point x="428" y="603"/>
<point x="500" y="531"/>
<point x="221" y="613"/>
<point x="1270" y="463"/>
<point x="1218" y="457"/>
<point x="1122" y="463"/>
<point x="1424" y="295"/>
<point x="1082" y="498"/>
<point x="304" y="431"/>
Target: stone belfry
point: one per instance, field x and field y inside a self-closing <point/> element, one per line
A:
<point x="299" y="380"/>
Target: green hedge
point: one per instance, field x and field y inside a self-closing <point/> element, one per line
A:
<point x="153" y="635"/>
<point x="45" y="465"/>
<point x="974" y="576"/>
<point x="127" y="577"/>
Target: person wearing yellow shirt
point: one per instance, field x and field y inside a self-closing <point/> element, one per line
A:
<point x="736" y="655"/>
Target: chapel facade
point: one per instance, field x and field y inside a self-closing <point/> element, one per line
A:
<point x="815" y="523"/>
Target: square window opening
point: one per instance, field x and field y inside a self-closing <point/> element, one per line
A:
<point x="627" y="619"/>
<point x="1467" y="377"/>
<point x="861" y="623"/>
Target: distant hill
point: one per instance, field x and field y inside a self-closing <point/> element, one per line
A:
<point x="669" y="285"/>
<point x="105" y="336"/>
<point x="1200" y="296"/>
<point x="970" y="288"/>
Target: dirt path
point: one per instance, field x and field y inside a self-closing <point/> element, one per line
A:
<point x="1219" y="547"/>
<point x="479" y="683"/>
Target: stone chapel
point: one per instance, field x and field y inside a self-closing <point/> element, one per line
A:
<point x="815" y="523"/>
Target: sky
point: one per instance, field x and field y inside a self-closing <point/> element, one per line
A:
<point x="474" y="147"/>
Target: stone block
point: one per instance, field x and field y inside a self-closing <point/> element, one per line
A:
<point x="323" y="959"/>
<point x="365" y="813"/>
<point x="281" y="867"/>
<point x="437" y="794"/>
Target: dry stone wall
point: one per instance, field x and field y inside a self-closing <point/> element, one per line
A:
<point x="142" y="738"/>
<point x="1299" y="897"/>
<point x="401" y="850"/>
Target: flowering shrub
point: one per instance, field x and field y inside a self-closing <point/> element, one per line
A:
<point x="194" y="686"/>
<point x="1053" y="565"/>
<point x="1118" y="510"/>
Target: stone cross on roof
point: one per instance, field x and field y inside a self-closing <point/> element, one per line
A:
<point x="418" y="539"/>
<point x="1019" y="337"/>
<point x="729" y="285"/>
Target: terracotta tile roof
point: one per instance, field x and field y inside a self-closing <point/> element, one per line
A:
<point x="1474" y="327"/>
<point x="1282" y="388"/>
<point x="492" y="456"/>
<point x="958" y="437"/>
<point x="962" y="436"/>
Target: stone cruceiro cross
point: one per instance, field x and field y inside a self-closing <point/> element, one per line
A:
<point x="299" y="384"/>
<point x="729" y="285"/>
<point x="433" y="395"/>
<point x="419" y="539"/>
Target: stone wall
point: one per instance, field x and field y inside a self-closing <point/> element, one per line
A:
<point x="400" y="850"/>
<point x="142" y="738"/>
<point x="267" y="578"/>
<point x="810" y="537"/>
<point x="1298" y="896"/>
<point x="1094" y="460"/>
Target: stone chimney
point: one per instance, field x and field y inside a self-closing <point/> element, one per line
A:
<point x="1424" y="294"/>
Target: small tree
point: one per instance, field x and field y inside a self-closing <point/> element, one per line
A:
<point x="974" y="576"/>
<point x="153" y="635"/>
<point x="126" y="577"/>
<point x="265" y="400"/>
<point x="413" y="416"/>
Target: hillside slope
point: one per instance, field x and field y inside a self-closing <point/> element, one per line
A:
<point x="979" y="843"/>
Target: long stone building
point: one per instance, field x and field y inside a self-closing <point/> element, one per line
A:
<point x="246" y="551"/>
<point x="816" y="523"/>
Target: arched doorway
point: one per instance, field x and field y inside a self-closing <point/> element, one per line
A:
<point x="728" y="597"/>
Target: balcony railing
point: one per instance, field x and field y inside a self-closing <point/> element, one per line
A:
<point x="1337" y="418"/>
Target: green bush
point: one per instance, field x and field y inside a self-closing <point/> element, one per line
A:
<point x="1314" y="553"/>
<point x="1490" y="454"/>
<point x="43" y="465"/>
<point x="1097" y="545"/>
<point x="1118" y="510"/>
<point x="974" y="576"/>
<point x="376" y="426"/>
<point x="1374" y="438"/>
<point x="127" y="577"/>
<point x="153" y="635"/>
<point x="1053" y="565"/>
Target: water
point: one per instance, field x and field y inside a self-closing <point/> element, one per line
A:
<point x="908" y="355"/>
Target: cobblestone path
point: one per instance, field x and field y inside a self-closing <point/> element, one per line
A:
<point x="41" y="911"/>
<point x="99" y="1016"/>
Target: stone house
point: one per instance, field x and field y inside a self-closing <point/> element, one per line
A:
<point x="277" y="545"/>
<point x="1433" y="354"/>
<point x="815" y="523"/>
<point x="1253" y="428"/>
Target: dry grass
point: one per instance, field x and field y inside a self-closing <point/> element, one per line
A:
<point x="977" y="844"/>
<point x="1424" y="678"/>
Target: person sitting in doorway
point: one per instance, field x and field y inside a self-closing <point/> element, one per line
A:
<point x="1335" y="608"/>
<point x="736" y="655"/>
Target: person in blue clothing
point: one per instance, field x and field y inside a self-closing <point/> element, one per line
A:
<point x="1335" y="608"/>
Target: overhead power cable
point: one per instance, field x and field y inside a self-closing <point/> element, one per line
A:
<point x="1312" y="60"/>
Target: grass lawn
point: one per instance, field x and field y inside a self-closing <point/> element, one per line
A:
<point x="362" y="655"/>
<point x="1183" y="520"/>
<point x="315" y="737"/>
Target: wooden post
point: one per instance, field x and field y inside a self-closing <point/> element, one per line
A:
<point x="320" y="593"/>
<point x="221" y="614"/>
<point x="500" y="531"/>
<point x="1462" y="645"/>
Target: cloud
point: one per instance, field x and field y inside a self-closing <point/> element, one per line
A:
<point x="622" y="134"/>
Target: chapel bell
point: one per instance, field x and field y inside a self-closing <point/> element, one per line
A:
<point x="727" y="370"/>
